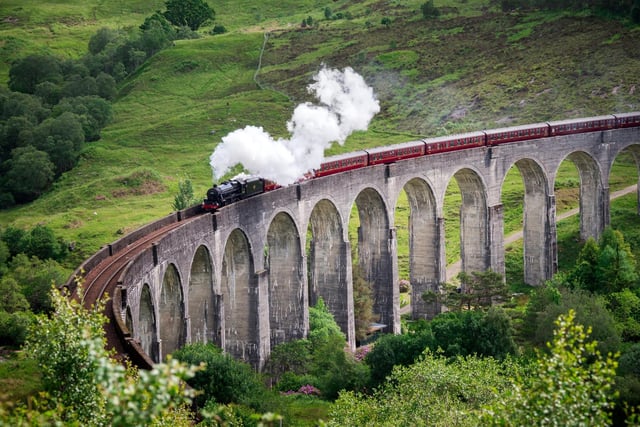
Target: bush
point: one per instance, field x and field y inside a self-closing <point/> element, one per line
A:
<point x="393" y="350"/>
<point x="429" y="10"/>
<point x="14" y="327"/>
<point x="224" y="379"/>
<point x="218" y="29"/>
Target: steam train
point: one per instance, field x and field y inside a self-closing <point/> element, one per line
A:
<point x="241" y="188"/>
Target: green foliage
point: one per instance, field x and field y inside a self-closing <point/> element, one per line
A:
<point x="291" y="359"/>
<point x="185" y="197"/>
<point x="435" y="391"/>
<point x="569" y="387"/>
<point x="474" y="332"/>
<point x="477" y="290"/>
<point x="94" y="112"/>
<point x="61" y="138"/>
<point x="190" y="13"/>
<point x="606" y="267"/>
<point x="589" y="311"/>
<point x="36" y="277"/>
<point x="322" y="325"/>
<point x="429" y="11"/>
<point x="397" y="350"/>
<point x="223" y="379"/>
<point x="362" y="303"/>
<point x="13" y="325"/>
<point x="83" y="385"/>
<point x="30" y="173"/>
<point x="320" y="361"/>
<point x="26" y="73"/>
<point x="40" y="242"/>
<point x="625" y="308"/>
<point x="11" y="297"/>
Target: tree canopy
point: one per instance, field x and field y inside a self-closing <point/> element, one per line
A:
<point x="188" y="13"/>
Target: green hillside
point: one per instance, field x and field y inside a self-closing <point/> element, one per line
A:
<point x="474" y="67"/>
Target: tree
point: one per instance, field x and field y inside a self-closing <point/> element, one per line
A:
<point x="393" y="350"/>
<point x="362" y="303"/>
<point x="44" y="244"/>
<point x="616" y="264"/>
<point x="190" y="13"/>
<point x="223" y="379"/>
<point x="429" y="11"/>
<point x="461" y="333"/>
<point x="606" y="267"/>
<point x="185" y="197"/>
<point x="30" y="173"/>
<point x="476" y="290"/>
<point x="83" y="385"/>
<point x="62" y="138"/>
<point x="11" y="297"/>
<point x="569" y="387"/>
<point x="588" y="310"/>
<point x="26" y="73"/>
<point x="434" y="391"/>
<point x="93" y="112"/>
<point x="36" y="278"/>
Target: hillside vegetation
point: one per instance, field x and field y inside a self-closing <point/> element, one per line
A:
<point x="474" y="67"/>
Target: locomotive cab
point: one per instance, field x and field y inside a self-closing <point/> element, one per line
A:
<point x="231" y="191"/>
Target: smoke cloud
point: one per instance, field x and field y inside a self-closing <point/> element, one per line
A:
<point x="347" y="104"/>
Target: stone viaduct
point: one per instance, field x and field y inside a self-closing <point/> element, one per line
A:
<point x="244" y="277"/>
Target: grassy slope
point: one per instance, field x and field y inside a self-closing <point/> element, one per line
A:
<point x="472" y="68"/>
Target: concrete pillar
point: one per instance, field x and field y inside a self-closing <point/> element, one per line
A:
<point x="495" y="238"/>
<point x="606" y="209"/>
<point x="218" y="320"/>
<point x="393" y="307"/>
<point x="350" y="325"/>
<point x="427" y="269"/>
<point x="263" y="331"/>
<point x="551" y="241"/>
<point x="331" y="277"/>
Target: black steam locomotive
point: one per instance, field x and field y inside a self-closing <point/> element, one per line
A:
<point x="235" y="189"/>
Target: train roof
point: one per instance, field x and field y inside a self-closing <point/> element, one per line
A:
<point x="343" y="156"/>
<point x="454" y="136"/>
<point x="631" y="114"/>
<point x="583" y="119"/>
<point x="394" y="146"/>
<point x="517" y="128"/>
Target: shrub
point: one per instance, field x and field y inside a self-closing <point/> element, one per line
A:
<point x="223" y="379"/>
<point x="13" y="327"/>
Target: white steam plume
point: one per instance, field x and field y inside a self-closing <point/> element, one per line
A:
<point x="347" y="105"/>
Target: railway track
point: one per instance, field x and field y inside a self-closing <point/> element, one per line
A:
<point x="102" y="280"/>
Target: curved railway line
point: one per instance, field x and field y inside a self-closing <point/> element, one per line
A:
<point x="103" y="279"/>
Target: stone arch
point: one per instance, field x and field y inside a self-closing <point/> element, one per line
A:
<point x="147" y="327"/>
<point x="201" y="298"/>
<point x="374" y="257"/>
<point x="329" y="257"/>
<point x="536" y="228"/>
<point x="171" y="312"/>
<point x="287" y="297"/>
<point x="592" y="199"/>
<point x="128" y="319"/>
<point x="634" y="151"/>
<point x="473" y="221"/>
<point x="239" y="287"/>
<point x="424" y="246"/>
